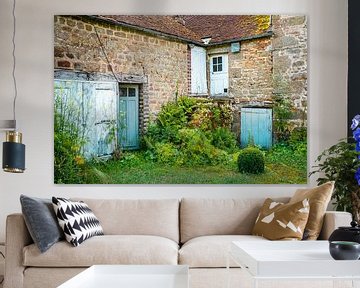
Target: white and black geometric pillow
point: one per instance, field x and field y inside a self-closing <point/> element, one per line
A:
<point x="77" y="220"/>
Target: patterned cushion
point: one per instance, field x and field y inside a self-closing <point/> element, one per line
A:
<point x="279" y="221"/>
<point x="77" y="220"/>
<point x="319" y="198"/>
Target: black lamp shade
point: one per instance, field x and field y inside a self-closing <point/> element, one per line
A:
<point x="13" y="157"/>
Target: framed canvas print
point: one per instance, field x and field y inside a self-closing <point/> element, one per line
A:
<point x="180" y="99"/>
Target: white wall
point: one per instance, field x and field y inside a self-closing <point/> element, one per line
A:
<point x="327" y="89"/>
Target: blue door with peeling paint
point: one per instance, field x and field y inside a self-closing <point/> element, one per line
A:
<point x="256" y="127"/>
<point x="129" y="116"/>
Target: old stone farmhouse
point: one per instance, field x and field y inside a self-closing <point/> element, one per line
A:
<point x="122" y="69"/>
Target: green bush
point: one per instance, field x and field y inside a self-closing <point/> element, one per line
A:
<point x="166" y="153"/>
<point x="251" y="160"/>
<point x="207" y="115"/>
<point x="224" y="139"/>
<point x="191" y="131"/>
<point x="298" y="134"/>
<point x="294" y="155"/>
<point x="172" y="114"/>
<point x="69" y="164"/>
<point x="196" y="148"/>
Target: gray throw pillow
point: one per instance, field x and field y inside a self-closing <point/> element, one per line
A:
<point x="41" y="221"/>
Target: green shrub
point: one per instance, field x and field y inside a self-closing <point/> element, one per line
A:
<point x="251" y="160"/>
<point x="196" y="148"/>
<point x="191" y="131"/>
<point x="224" y="139"/>
<point x="298" y="134"/>
<point x="171" y="114"/>
<point x="166" y="153"/>
<point x="209" y="115"/>
<point x="69" y="164"/>
<point x="294" y="155"/>
<point x="157" y="133"/>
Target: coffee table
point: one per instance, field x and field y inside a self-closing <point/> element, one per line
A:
<point x="293" y="260"/>
<point x="131" y="276"/>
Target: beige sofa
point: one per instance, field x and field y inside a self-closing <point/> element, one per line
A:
<point x="194" y="232"/>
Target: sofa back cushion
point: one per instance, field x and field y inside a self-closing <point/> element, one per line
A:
<point x="201" y="217"/>
<point x="158" y="217"/>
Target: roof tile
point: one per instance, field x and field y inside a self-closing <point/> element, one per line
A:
<point x="194" y="27"/>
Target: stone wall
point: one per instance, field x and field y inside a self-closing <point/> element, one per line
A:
<point x="289" y="45"/>
<point x="250" y="72"/>
<point x="162" y="61"/>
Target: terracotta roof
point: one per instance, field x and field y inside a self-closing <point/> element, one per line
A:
<point x="221" y="28"/>
<point x="226" y="27"/>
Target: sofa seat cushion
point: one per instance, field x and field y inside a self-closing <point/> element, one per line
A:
<point x="107" y="249"/>
<point x="211" y="251"/>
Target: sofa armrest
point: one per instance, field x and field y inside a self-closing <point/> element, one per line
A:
<point x="17" y="237"/>
<point x="333" y="220"/>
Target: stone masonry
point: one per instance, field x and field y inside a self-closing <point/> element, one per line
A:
<point x="289" y="52"/>
<point x="162" y="61"/>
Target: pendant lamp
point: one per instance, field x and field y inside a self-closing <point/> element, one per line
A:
<point x="13" y="160"/>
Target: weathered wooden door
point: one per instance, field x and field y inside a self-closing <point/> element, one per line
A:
<point x="219" y="78"/>
<point x="105" y="118"/>
<point x="92" y="106"/>
<point x="256" y="127"/>
<point x="129" y="116"/>
<point x="198" y="70"/>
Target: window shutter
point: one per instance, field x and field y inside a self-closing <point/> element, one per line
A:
<point x="198" y="70"/>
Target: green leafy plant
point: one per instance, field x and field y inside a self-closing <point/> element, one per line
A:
<point x="69" y="164"/>
<point x="282" y="114"/>
<point x="196" y="148"/>
<point x="224" y="139"/>
<point x="192" y="131"/>
<point x="339" y="163"/>
<point x="298" y="134"/>
<point x="166" y="153"/>
<point x="251" y="160"/>
<point x="292" y="155"/>
<point x="283" y="108"/>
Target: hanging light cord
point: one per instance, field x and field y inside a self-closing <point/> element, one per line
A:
<point x="105" y="54"/>
<point x="14" y="59"/>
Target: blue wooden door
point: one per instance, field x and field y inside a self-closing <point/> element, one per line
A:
<point x="256" y="127"/>
<point x="129" y="116"/>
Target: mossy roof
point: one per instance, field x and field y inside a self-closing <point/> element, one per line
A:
<point x="192" y="28"/>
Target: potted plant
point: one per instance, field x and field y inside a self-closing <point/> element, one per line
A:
<point x="341" y="163"/>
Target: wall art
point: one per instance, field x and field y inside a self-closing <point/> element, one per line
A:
<point x="180" y="99"/>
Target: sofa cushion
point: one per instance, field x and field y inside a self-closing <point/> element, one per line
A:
<point x="158" y="217"/>
<point x="319" y="198"/>
<point x="201" y="217"/>
<point x="41" y="221"/>
<point x="77" y="220"/>
<point x="107" y="249"/>
<point x="211" y="251"/>
<point x="279" y="221"/>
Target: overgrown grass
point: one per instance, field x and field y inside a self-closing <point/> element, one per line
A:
<point x="293" y="155"/>
<point x="136" y="168"/>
